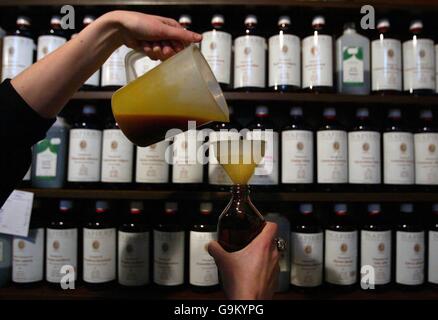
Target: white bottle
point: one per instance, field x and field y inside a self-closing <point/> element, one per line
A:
<point x="418" y="61"/>
<point x="307" y="252"/>
<point x="18" y="50"/>
<point x="332" y="150"/>
<point x="185" y="21"/>
<point x="398" y="152"/>
<point x="297" y="150"/>
<point x="317" y="51"/>
<point x="169" y="251"/>
<point x="144" y="65"/>
<point x="284" y="58"/>
<point x="426" y="151"/>
<point x="203" y="269"/>
<point x="134" y="248"/>
<point x="410" y="251"/>
<point x="152" y="163"/>
<point x="375" y="250"/>
<point x="28" y="257"/>
<point x="94" y="80"/>
<point x="386" y="60"/>
<point x="364" y="151"/>
<point x="341" y="253"/>
<point x="113" y="70"/>
<point x="250" y="57"/>
<point x="186" y="166"/>
<point x="216" y="48"/>
<point x="51" y="41"/>
<point x="117" y="156"/>
<point x="433" y="248"/>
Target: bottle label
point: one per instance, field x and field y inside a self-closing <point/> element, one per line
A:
<point x="216" y="48"/>
<point x="341" y="257"/>
<point x="17" y="55"/>
<point x="317" y="61"/>
<point x="113" y="70"/>
<point x="332" y="156"/>
<point x="84" y="155"/>
<point x="433" y="257"/>
<point x="203" y="269"/>
<point x="284" y="60"/>
<point x="364" y="157"/>
<point x="426" y="158"/>
<point x="216" y="173"/>
<point x="151" y="165"/>
<point x="99" y="255"/>
<point x="47" y="158"/>
<point x="94" y="79"/>
<point x="398" y="156"/>
<point x="386" y="65"/>
<point x="249" y="62"/>
<point x="28" y="257"/>
<point x="133" y="258"/>
<point x="61" y="250"/>
<point x="297" y="156"/>
<point x="144" y="65"/>
<point x="168" y="258"/>
<point x="376" y="252"/>
<point x="352" y="66"/>
<point x="418" y="65"/>
<point x="410" y="258"/>
<point x="306" y="259"/>
<point x="266" y="172"/>
<point x="117" y="154"/>
<point x="186" y="167"/>
<point x="48" y="44"/>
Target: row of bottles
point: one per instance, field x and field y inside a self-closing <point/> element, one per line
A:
<point x="386" y="247"/>
<point x="314" y="63"/>
<point x="331" y="155"/>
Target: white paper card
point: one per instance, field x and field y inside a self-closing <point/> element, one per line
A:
<point x="15" y="213"/>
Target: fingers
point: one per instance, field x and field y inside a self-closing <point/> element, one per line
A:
<point x="267" y="236"/>
<point x="216" y="251"/>
<point x="174" y="33"/>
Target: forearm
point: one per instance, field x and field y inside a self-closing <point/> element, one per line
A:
<point x="49" y="84"/>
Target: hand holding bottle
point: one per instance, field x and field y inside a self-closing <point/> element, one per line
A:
<point x="250" y="273"/>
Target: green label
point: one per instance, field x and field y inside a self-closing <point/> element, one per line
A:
<point x="352" y="66"/>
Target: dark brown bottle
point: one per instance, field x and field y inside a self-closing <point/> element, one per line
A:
<point x="317" y="62"/>
<point x="418" y="61"/>
<point x="376" y="248"/>
<point x="410" y="249"/>
<point x="203" y="273"/>
<point x="433" y="248"/>
<point x="99" y="247"/>
<point x="386" y="61"/>
<point x="341" y="252"/>
<point x="240" y="222"/>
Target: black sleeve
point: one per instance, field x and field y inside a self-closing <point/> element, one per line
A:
<point x="20" y="128"/>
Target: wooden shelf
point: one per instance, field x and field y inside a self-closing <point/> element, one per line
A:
<point x="296" y="97"/>
<point x="264" y="196"/>
<point x="44" y="292"/>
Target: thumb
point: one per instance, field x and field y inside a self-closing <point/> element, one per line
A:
<point x="179" y="34"/>
<point x="216" y="251"/>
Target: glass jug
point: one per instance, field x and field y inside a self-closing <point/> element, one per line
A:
<point x="181" y="89"/>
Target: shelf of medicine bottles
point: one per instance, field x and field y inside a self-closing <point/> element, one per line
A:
<point x="399" y="100"/>
<point x="43" y="292"/>
<point x="257" y="195"/>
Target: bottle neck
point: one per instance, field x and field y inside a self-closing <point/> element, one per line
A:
<point x="240" y="191"/>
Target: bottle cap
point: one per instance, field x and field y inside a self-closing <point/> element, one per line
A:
<point x="407" y="207"/>
<point x="284" y="20"/>
<point x="88" y="19"/>
<point x="426" y="114"/>
<point x="306" y="208"/>
<point x="435" y="208"/>
<point x="136" y="207"/>
<point x="217" y="20"/>
<point x="362" y="113"/>
<point x="383" y="23"/>
<point x="394" y="113"/>
<point x="89" y="109"/>
<point x="296" y="111"/>
<point x="185" y="20"/>
<point x="23" y="21"/>
<point x="251" y="19"/>
<point x="374" y="208"/>
<point x="102" y="206"/>
<point x="65" y="205"/>
<point x="262" y="111"/>
<point x="341" y="208"/>
<point x="318" y="21"/>
<point x="416" y="25"/>
<point x="349" y="25"/>
<point x="205" y="208"/>
<point x="55" y="20"/>
<point x="170" y="207"/>
<point x="329" y="112"/>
